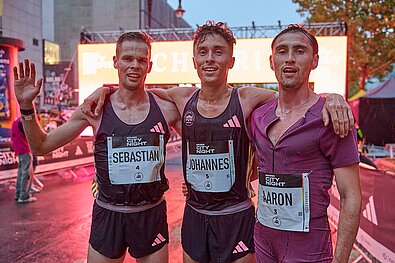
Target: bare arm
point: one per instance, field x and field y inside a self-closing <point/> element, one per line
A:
<point x="42" y="143"/>
<point x="170" y="112"/>
<point x="93" y="105"/>
<point x="336" y="108"/>
<point x="347" y="181"/>
<point x="26" y="89"/>
<point x="163" y="94"/>
<point x="253" y="97"/>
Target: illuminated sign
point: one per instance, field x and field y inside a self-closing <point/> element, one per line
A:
<point x="51" y="53"/>
<point x="172" y="64"/>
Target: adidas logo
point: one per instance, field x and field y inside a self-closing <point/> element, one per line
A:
<point x="159" y="239"/>
<point x="232" y="123"/>
<point x="95" y="188"/>
<point x="158" y="128"/>
<point x="240" y="247"/>
<point x="78" y="151"/>
<point x="370" y="212"/>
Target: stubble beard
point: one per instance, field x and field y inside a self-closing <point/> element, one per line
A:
<point x="289" y="83"/>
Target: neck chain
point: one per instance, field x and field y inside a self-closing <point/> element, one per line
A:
<point x="285" y="112"/>
<point x="212" y="102"/>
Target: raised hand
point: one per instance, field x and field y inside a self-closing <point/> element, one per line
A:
<point x="340" y="114"/>
<point x="25" y="86"/>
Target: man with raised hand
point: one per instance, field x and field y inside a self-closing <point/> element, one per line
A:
<point x="219" y="214"/>
<point x="130" y="147"/>
<point x="297" y="158"/>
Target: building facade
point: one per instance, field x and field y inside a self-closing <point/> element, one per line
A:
<point x="22" y="19"/>
<point x="75" y="16"/>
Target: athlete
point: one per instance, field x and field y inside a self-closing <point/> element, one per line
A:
<point x="130" y="141"/>
<point x="219" y="216"/>
<point x="297" y="157"/>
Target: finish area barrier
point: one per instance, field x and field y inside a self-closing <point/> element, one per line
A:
<point x="376" y="232"/>
<point x="76" y="153"/>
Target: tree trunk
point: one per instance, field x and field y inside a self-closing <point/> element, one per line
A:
<point x="362" y="78"/>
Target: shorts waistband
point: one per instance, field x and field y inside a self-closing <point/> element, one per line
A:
<point x="126" y="208"/>
<point x="227" y="210"/>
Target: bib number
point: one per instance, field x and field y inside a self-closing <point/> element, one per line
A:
<point x="136" y="159"/>
<point x="284" y="201"/>
<point x="210" y="166"/>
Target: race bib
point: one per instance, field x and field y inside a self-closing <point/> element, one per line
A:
<point x="284" y="201"/>
<point x="210" y="166"/>
<point x="135" y="159"/>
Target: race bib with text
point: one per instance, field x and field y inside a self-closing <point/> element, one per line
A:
<point x="284" y="201"/>
<point x="135" y="159"/>
<point x="210" y="166"/>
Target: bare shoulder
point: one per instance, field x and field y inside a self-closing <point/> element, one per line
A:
<point x="181" y="93"/>
<point x="164" y="104"/>
<point x="169" y="110"/>
<point x="249" y="92"/>
<point x="253" y="97"/>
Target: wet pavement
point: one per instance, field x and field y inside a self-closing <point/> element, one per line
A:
<point x="56" y="227"/>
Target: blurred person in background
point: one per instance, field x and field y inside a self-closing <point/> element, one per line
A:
<point x="24" y="179"/>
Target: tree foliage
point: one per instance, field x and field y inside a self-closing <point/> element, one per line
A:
<point x="371" y="34"/>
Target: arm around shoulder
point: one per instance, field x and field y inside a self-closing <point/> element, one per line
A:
<point x="253" y="97"/>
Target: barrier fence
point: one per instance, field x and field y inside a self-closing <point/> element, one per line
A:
<point x="76" y="153"/>
<point x="376" y="234"/>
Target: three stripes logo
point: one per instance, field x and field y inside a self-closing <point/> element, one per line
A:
<point x="158" y="128"/>
<point x="370" y="212"/>
<point x="95" y="188"/>
<point x="159" y="239"/>
<point x="240" y="247"/>
<point x="232" y="123"/>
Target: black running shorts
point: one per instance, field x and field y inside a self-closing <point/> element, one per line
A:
<point x="142" y="233"/>
<point x="218" y="238"/>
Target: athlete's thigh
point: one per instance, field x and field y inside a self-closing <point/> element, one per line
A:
<point x="314" y="246"/>
<point x="186" y="258"/>
<point x="160" y="256"/>
<point x="193" y="235"/>
<point x="147" y="231"/>
<point x="268" y="244"/>
<point x="249" y="258"/>
<point x="96" y="257"/>
<point x="231" y="237"/>
<point x="107" y="236"/>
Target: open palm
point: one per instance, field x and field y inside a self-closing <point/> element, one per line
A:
<point x="24" y="83"/>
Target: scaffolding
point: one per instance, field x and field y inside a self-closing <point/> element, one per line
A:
<point x="177" y="34"/>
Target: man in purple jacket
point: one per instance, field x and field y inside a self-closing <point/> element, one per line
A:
<point x="297" y="157"/>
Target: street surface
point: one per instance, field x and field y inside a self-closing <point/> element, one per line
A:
<point x="56" y="228"/>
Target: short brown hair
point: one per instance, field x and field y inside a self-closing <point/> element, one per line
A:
<point x="298" y="28"/>
<point x="134" y="36"/>
<point x="211" y="28"/>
